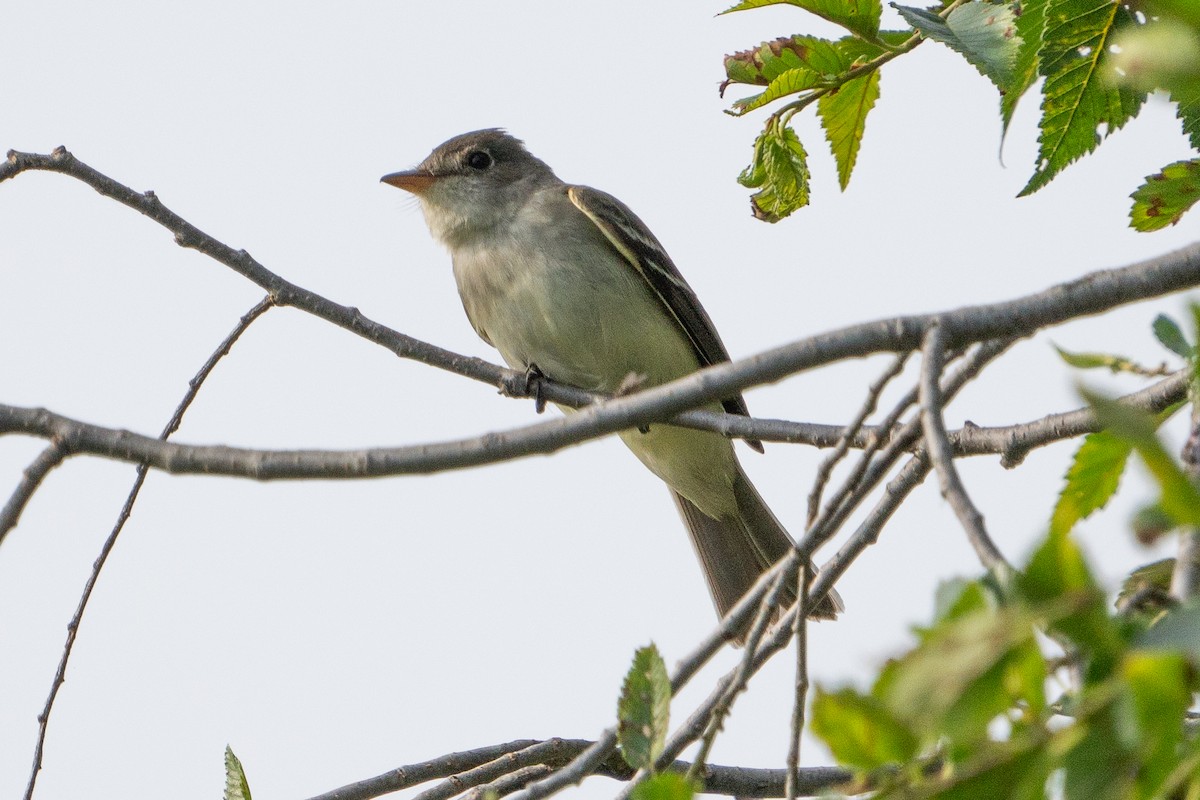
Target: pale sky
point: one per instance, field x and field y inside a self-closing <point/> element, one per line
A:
<point x="332" y="631"/>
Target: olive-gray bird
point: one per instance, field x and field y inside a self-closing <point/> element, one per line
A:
<point x="567" y="281"/>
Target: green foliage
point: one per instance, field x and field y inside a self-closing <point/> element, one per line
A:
<point x="1162" y="200"/>
<point x="1099" y="60"/>
<point x="963" y="714"/>
<point x="844" y="118"/>
<point x="1167" y="331"/>
<point x="236" y="785"/>
<point x="666" y="786"/>
<point x="1031" y="27"/>
<point x="861" y="17"/>
<point x="643" y="712"/>
<point x="1080" y="105"/>
<point x="1180" y="498"/>
<point x="985" y="34"/>
<point x="1091" y="480"/>
<point x="861" y="731"/>
<point x="779" y="171"/>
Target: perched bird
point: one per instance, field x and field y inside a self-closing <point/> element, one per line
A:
<point x="567" y="282"/>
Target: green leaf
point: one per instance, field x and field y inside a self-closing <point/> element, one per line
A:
<point x="1013" y="771"/>
<point x="791" y="82"/>
<point x="1058" y="578"/>
<point x="643" y="712"/>
<point x="1157" y="695"/>
<point x="665" y="786"/>
<point x="1162" y="200"/>
<point x="763" y="64"/>
<point x="965" y="672"/>
<point x="1095" y="360"/>
<point x="984" y="33"/>
<point x="1187" y="101"/>
<point x="1100" y="766"/>
<point x="1180" y="497"/>
<point x="1093" y="478"/>
<point x="1031" y="27"/>
<point x="1169" y="335"/>
<point x="1079" y="105"/>
<point x="857" y="16"/>
<point x="236" y="786"/>
<point x="779" y="171"/>
<point x="843" y="115"/>
<point x="860" y="731"/>
<point x="957" y="598"/>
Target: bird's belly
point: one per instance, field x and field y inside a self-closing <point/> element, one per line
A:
<point x="593" y="329"/>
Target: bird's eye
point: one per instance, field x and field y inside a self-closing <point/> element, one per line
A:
<point x="479" y="159"/>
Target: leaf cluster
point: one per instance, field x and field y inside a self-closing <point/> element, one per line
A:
<point x="1099" y="60"/>
<point x="967" y="713"/>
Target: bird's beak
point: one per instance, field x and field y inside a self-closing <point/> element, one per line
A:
<point x="415" y="181"/>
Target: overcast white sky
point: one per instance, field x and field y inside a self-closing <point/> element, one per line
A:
<point x="332" y="631"/>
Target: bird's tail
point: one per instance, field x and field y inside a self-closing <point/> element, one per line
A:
<point x="735" y="551"/>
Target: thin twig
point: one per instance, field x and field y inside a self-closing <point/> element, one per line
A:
<point x="726" y="780"/>
<point x="106" y="549"/>
<point x="506" y="785"/>
<point x="550" y="752"/>
<point x="31" y="479"/>
<point x="800" y="633"/>
<point x="777" y="638"/>
<point x="851" y="430"/>
<point x="766" y="609"/>
<point x="937" y="445"/>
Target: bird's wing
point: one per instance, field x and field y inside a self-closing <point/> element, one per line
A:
<point x="634" y="241"/>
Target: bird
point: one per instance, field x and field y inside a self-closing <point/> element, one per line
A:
<point x="567" y="283"/>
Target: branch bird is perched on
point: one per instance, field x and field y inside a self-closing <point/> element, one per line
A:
<point x="567" y="281"/>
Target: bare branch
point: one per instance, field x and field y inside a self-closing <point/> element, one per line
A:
<point x="31" y="479"/>
<point x="766" y="609"/>
<point x="800" y="633"/>
<point x="60" y="674"/>
<point x="937" y="444"/>
<point x="849" y="433"/>
<point x="732" y="781"/>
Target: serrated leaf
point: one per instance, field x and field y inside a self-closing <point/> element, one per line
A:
<point x="791" y="82"/>
<point x="763" y="64"/>
<point x="1169" y="335"/>
<point x="666" y="786"/>
<point x="843" y="115"/>
<point x="779" y="171"/>
<point x="1079" y="105"/>
<point x="643" y="712"/>
<point x="860" y="731"/>
<point x="1180" y="498"/>
<point x="1162" y="200"/>
<point x="1091" y="480"/>
<point x="1187" y="102"/>
<point x="984" y="33"/>
<point x="858" y="16"/>
<point x="236" y="785"/>
<point x="1031" y="27"/>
